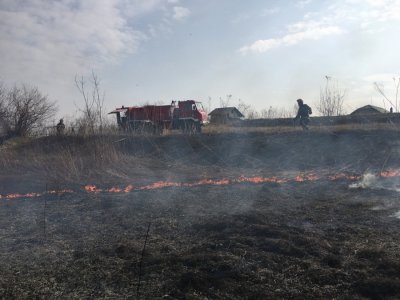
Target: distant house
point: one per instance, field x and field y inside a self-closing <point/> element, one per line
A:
<point x="225" y="115"/>
<point x="369" y="110"/>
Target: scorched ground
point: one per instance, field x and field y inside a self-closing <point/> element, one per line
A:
<point x="310" y="239"/>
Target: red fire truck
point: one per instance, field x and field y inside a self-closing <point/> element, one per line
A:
<point x="188" y="116"/>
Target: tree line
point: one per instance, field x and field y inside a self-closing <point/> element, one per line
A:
<point x="24" y="109"/>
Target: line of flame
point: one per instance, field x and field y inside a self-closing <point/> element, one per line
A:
<point x="35" y="195"/>
<point x="224" y="181"/>
<point x="390" y="173"/>
<point x="95" y="189"/>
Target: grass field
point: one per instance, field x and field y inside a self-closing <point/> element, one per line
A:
<point x="291" y="239"/>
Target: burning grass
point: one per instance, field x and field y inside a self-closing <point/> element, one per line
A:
<point x="249" y="215"/>
<point x="369" y="180"/>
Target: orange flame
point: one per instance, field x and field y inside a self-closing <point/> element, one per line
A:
<point x="206" y="181"/>
<point x="92" y="189"/>
<point x="33" y="195"/>
<point x="128" y="189"/>
<point x="160" y="185"/>
<point x="306" y="177"/>
<point x="390" y="173"/>
<point x="211" y="182"/>
<point x="114" y="190"/>
<point x="260" y="179"/>
<point x="59" y="192"/>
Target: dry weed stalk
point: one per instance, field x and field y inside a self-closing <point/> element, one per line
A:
<point x="44" y="217"/>
<point x="7" y="160"/>
<point x="141" y="260"/>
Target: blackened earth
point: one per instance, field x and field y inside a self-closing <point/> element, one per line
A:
<point x="310" y="240"/>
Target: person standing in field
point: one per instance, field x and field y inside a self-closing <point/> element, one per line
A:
<point x="60" y="127"/>
<point x="303" y="114"/>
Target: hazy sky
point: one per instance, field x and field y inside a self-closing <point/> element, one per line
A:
<point x="266" y="53"/>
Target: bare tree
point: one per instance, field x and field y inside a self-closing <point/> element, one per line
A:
<point x="24" y="109"/>
<point x="331" y="99"/>
<point x="3" y="113"/>
<point x="244" y="108"/>
<point x="93" y="103"/>
<point x="3" y="97"/>
<point x="226" y="102"/>
<point x="275" y="113"/>
<point x="247" y="110"/>
<point x="394" y="103"/>
<point x="252" y="114"/>
<point x="269" y="113"/>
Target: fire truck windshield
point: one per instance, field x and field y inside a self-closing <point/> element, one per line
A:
<point x="199" y="106"/>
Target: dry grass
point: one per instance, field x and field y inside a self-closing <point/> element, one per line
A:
<point x="219" y="129"/>
<point x="116" y="159"/>
<point x="215" y="129"/>
<point x="75" y="158"/>
<point x="66" y="159"/>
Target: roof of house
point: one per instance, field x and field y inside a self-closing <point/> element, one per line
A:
<point x="224" y="110"/>
<point x="368" y="109"/>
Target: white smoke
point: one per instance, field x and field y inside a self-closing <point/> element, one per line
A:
<point x="368" y="181"/>
<point x="371" y="181"/>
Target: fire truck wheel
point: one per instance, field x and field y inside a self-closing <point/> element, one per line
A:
<point x="148" y="129"/>
<point x="158" y="130"/>
<point x="191" y="127"/>
<point x="185" y="126"/>
<point x="198" y="127"/>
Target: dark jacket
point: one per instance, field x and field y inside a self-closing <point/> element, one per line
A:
<point x="303" y="112"/>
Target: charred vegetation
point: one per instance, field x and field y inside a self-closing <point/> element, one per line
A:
<point x="313" y="238"/>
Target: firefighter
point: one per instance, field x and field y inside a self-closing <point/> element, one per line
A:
<point x="60" y="127"/>
<point x="303" y="114"/>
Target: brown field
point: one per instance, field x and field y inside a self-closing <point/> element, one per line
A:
<point x="317" y="239"/>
